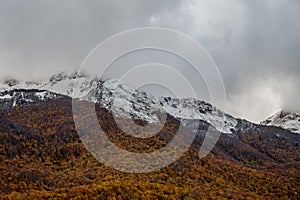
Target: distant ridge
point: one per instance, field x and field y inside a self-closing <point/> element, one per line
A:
<point x="284" y="119"/>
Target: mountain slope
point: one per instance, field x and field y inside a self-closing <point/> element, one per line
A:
<point x="42" y="157"/>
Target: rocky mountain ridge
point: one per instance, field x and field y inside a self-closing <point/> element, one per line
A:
<point x="124" y="101"/>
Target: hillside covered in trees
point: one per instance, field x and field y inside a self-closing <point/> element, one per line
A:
<point x="42" y="156"/>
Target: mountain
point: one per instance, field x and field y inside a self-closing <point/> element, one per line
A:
<point x="42" y="157"/>
<point x="286" y="120"/>
<point x="124" y="101"/>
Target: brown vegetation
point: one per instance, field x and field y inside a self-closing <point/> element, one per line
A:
<point x="41" y="156"/>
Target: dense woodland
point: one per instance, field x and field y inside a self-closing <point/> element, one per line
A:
<point x="42" y="156"/>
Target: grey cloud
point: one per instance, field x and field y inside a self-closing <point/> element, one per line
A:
<point x="255" y="43"/>
<point x="46" y="36"/>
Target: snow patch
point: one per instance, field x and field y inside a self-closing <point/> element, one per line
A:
<point x="286" y="120"/>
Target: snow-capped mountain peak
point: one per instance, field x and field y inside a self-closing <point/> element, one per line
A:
<point x="286" y="120"/>
<point x="125" y="101"/>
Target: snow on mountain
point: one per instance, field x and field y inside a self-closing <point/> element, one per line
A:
<point x="11" y="84"/>
<point x="189" y="108"/>
<point x="124" y="101"/>
<point x="17" y="97"/>
<point x="286" y="120"/>
<point x="61" y="83"/>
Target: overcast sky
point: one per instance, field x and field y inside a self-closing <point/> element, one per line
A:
<point x="254" y="43"/>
